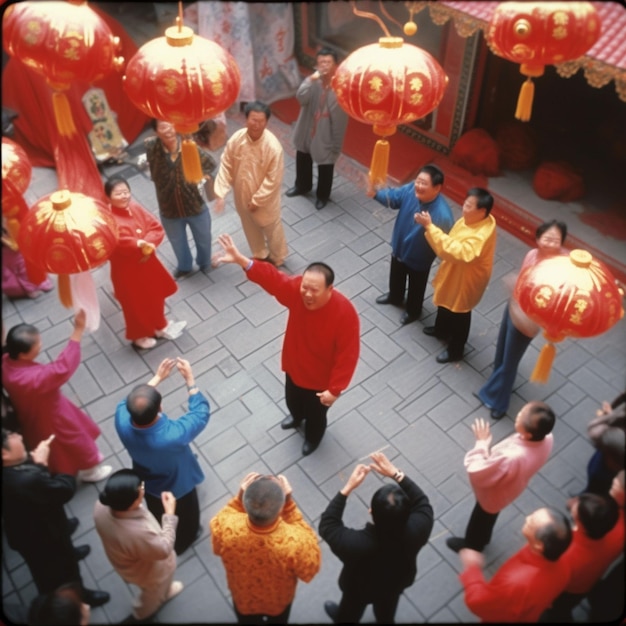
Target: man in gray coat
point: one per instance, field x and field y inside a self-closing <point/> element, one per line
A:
<point x="319" y="131"/>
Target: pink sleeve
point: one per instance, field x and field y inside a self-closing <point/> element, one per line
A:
<point x="486" y="471"/>
<point x="53" y="375"/>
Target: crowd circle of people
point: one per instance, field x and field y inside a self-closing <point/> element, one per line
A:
<point x="149" y="514"/>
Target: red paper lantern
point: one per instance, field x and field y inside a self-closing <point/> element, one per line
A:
<point x="68" y="233"/>
<point x="184" y="79"/>
<point x="537" y="34"/>
<point x="386" y="84"/>
<point x="63" y="42"/>
<point x="16" y="174"/>
<point x="569" y="295"/>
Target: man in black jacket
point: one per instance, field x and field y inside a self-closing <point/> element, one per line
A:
<point x="35" y="521"/>
<point x="379" y="561"/>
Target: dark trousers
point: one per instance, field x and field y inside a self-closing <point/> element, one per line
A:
<point x="52" y="565"/>
<point x="353" y="605"/>
<point x="455" y="328"/>
<point x="303" y="404"/>
<point x="188" y="512"/>
<point x="398" y="274"/>
<point x="561" y="610"/>
<point x="479" y="528"/>
<point x="260" y="618"/>
<point x="304" y="175"/>
<point x="599" y="476"/>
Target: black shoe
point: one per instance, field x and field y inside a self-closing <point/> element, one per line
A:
<point x="294" y="191"/>
<point x="386" y="299"/>
<point x="496" y="415"/>
<point x="80" y="552"/>
<point x="332" y="610"/>
<point x="446" y="357"/>
<point x="407" y="318"/>
<point x="431" y="331"/>
<point x="95" y="598"/>
<point x="456" y="543"/>
<point x="72" y="525"/>
<point x="320" y="204"/>
<point x="181" y="273"/>
<point x="309" y="447"/>
<point x="289" y="422"/>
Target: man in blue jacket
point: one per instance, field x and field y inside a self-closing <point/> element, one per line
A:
<point x="411" y="255"/>
<point x="160" y="447"/>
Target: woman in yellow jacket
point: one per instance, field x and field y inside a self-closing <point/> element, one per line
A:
<point x="466" y="254"/>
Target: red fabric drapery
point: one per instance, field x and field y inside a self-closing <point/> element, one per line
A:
<point x="27" y="93"/>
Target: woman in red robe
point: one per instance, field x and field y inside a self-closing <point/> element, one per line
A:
<point x="140" y="282"/>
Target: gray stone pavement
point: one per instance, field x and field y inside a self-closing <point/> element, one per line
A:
<point x="400" y="400"/>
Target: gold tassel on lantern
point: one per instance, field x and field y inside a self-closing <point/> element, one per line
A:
<point x="379" y="164"/>
<point x="63" y="114"/>
<point x="527" y="92"/>
<point x="65" y="291"/>
<point x="192" y="167"/>
<point x="541" y="373"/>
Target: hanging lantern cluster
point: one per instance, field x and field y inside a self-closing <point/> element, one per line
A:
<point x="184" y="79"/>
<point x="568" y="295"/>
<point x="536" y="34"/>
<point x="386" y="84"/>
<point x="68" y="233"/>
<point x="63" y="42"/>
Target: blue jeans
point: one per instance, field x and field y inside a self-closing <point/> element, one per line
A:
<point x="496" y="392"/>
<point x="176" y="230"/>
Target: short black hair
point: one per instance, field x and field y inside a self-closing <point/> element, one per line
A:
<point x="542" y="228"/>
<point x="322" y="268"/>
<point x="20" y="340"/>
<point x="435" y="173"/>
<point x="263" y="500"/>
<point x="484" y="200"/>
<point x="121" y="490"/>
<point x="259" y="107"/>
<point x="327" y="52"/>
<point x="539" y="420"/>
<point x="390" y="510"/>
<point x="597" y="514"/>
<point x="113" y="182"/>
<point x="555" y="536"/>
<point x="143" y="404"/>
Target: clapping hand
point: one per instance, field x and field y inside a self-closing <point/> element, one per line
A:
<point x="356" y="478"/>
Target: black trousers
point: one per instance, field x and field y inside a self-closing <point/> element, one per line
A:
<point x="303" y="404"/>
<point x="304" y="175"/>
<point x="479" y="528"/>
<point x="52" y="565"/>
<point x="188" y="512"/>
<point x="352" y="607"/>
<point x="398" y="274"/>
<point x="260" y="618"/>
<point x="455" y="327"/>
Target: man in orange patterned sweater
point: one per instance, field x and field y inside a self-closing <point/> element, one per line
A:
<point x="265" y="546"/>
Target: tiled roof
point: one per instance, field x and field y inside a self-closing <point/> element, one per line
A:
<point x="605" y="61"/>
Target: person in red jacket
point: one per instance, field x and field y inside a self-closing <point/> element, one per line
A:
<point x="322" y="339"/>
<point x="597" y="541"/>
<point x="529" y="581"/>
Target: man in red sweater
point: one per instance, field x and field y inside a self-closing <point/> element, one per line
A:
<point x="322" y="339"/>
<point x="528" y="582"/>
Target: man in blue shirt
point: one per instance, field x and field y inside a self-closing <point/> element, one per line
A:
<point x="160" y="447"/>
<point x="411" y="255"/>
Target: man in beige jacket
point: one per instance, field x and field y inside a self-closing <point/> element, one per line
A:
<point x="140" y="550"/>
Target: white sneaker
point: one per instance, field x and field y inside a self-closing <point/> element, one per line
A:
<point x="95" y="474"/>
<point x="173" y="330"/>
<point x="145" y="343"/>
<point x="175" y="588"/>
